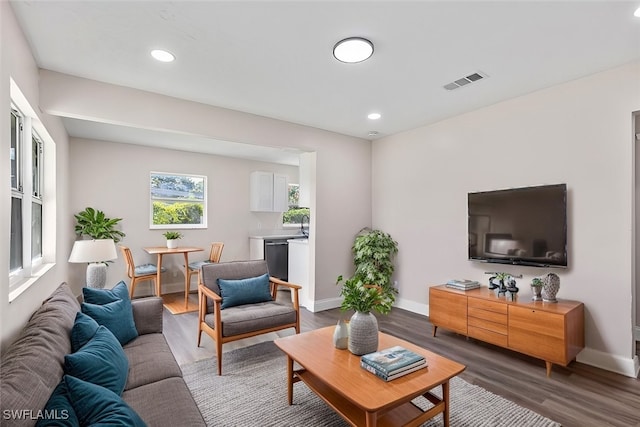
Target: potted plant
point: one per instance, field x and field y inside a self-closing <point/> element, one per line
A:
<point x="536" y="287"/>
<point x="363" y="298"/>
<point x="95" y="224"/>
<point x="373" y="253"/>
<point x="172" y="237"/>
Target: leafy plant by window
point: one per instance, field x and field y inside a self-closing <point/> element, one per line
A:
<point x="95" y="224"/>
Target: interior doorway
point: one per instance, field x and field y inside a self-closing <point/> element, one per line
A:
<point x="635" y="294"/>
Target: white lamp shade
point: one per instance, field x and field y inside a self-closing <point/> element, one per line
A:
<point x="97" y="250"/>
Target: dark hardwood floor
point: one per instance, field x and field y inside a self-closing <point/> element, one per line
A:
<point x="578" y="395"/>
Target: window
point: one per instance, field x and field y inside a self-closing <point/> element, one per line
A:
<point x="15" y="252"/>
<point x="295" y="215"/>
<point x="32" y="246"/>
<point x="36" y="196"/>
<point x="178" y="200"/>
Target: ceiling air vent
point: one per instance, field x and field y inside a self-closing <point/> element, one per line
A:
<point x="465" y="81"/>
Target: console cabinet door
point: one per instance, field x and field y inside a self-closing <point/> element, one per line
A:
<point x="538" y="333"/>
<point x="448" y="310"/>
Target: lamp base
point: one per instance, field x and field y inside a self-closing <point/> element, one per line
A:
<point x="96" y="275"/>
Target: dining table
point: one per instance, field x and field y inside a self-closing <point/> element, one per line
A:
<point x="160" y="251"/>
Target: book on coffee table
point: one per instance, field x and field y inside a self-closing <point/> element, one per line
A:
<point x="392" y="360"/>
<point x="398" y="373"/>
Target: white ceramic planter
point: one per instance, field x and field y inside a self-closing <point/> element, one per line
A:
<point x="172" y="244"/>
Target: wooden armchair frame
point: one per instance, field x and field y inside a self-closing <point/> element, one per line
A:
<point x="216" y="332"/>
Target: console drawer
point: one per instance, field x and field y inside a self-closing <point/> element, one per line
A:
<point x="500" y="328"/>
<point x="488" y="336"/>
<point x="491" y="316"/>
<point x="532" y="320"/>
<point x="497" y="307"/>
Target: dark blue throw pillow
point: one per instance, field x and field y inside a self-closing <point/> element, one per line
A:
<point x="105" y="296"/>
<point x="84" y="328"/>
<point x="59" y="412"/>
<point x="95" y="405"/>
<point x="101" y="361"/>
<point x="117" y="316"/>
<point x="244" y="291"/>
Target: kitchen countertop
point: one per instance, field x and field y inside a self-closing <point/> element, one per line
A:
<point x="281" y="235"/>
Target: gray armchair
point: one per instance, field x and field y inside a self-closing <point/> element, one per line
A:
<point x="230" y="323"/>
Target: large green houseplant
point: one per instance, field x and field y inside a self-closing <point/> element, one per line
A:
<point x="369" y="288"/>
<point x="373" y="254"/>
<point x="95" y="224"/>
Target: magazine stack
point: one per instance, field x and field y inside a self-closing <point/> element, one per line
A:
<point x="393" y="362"/>
<point x="463" y="285"/>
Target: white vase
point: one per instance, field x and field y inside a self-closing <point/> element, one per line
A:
<point x="172" y="243"/>
<point x="341" y="335"/>
<point x="363" y="333"/>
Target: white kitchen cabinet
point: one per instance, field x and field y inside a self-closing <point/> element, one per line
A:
<point x="268" y="192"/>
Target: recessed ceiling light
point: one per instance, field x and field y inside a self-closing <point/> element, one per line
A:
<point x="637" y="13"/>
<point x="374" y="116"/>
<point x="163" y="55"/>
<point x="353" y="49"/>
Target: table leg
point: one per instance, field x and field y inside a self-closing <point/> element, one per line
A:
<point x="290" y="380"/>
<point x="445" y="399"/>
<point x="186" y="281"/>
<point x="371" y="419"/>
<point x="158" y="275"/>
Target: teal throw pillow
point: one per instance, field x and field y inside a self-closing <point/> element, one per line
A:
<point x="101" y="361"/>
<point x="105" y="296"/>
<point x="244" y="291"/>
<point x="84" y="328"/>
<point x="95" y="405"/>
<point x="117" y="316"/>
<point x="58" y="411"/>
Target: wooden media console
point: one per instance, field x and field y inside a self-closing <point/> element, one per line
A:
<point x="553" y="332"/>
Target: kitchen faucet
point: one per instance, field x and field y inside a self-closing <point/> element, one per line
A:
<point x="302" y="230"/>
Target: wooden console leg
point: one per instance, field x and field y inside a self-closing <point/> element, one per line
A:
<point x="549" y="366"/>
<point x="435" y="328"/>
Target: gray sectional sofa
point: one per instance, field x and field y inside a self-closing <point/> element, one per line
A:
<point x="33" y="366"/>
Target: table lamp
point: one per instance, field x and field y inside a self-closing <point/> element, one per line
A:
<point x="95" y="253"/>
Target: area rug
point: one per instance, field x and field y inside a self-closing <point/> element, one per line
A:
<point x="252" y="392"/>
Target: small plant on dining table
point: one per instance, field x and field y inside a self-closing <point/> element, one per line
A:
<point x="172" y="235"/>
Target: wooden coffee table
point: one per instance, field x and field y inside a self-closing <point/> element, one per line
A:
<point x="358" y="396"/>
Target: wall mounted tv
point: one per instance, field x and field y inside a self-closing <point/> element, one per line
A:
<point x="522" y="226"/>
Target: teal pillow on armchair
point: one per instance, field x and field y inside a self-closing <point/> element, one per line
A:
<point x="245" y="291"/>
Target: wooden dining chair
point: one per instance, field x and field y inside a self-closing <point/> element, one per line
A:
<point x="139" y="273"/>
<point x="214" y="256"/>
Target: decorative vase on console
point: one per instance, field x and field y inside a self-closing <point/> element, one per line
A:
<point x="363" y="333"/>
<point x="550" y="288"/>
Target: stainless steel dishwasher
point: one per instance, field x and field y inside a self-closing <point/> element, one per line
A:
<point x="276" y="252"/>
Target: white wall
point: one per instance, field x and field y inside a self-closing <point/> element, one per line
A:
<point x="114" y="178"/>
<point x="17" y="62"/>
<point x="577" y="133"/>
<point x="342" y="199"/>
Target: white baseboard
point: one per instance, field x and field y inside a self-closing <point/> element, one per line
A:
<point x="629" y="367"/>
<point x="412" y="306"/>
<point x="324" y="304"/>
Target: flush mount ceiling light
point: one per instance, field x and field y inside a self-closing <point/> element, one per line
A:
<point x="374" y="116"/>
<point x="163" y="55"/>
<point x="353" y="49"/>
<point x="637" y="13"/>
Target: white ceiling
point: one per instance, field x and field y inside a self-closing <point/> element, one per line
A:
<point x="274" y="58"/>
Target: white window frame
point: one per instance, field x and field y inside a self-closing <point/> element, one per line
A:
<point x="201" y="225"/>
<point x="33" y="268"/>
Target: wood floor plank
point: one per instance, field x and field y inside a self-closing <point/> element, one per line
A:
<point x="578" y="395"/>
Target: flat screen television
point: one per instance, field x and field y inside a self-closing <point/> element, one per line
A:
<point x="521" y="226"/>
